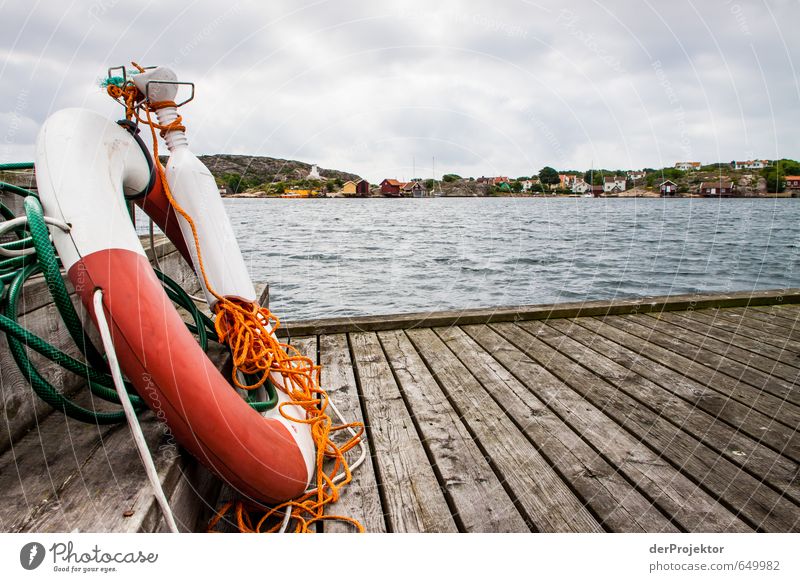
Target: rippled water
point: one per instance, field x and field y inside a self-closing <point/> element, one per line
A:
<point x="327" y="258"/>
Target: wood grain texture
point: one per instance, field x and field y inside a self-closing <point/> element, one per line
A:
<point x="722" y="480"/>
<point x="761" y="391"/>
<point x="361" y="498"/>
<point x="673" y="493"/>
<point x="479" y="499"/>
<point x="737" y="348"/>
<point x="536" y="489"/>
<point x="617" y="503"/>
<point x="733" y="431"/>
<point x="413" y="498"/>
<point x="788" y="360"/>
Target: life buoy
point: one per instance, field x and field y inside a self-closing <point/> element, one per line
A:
<point x="84" y="166"/>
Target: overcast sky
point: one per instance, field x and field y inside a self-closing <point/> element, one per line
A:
<point x="485" y="87"/>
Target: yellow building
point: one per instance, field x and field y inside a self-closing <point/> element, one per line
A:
<point x="348" y="188"/>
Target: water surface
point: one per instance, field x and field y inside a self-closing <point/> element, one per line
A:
<point x="334" y="257"/>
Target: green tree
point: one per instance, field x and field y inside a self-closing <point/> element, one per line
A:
<point x="549" y="176"/>
<point x="451" y="177"/>
<point x="777" y="172"/>
<point x="516" y="186"/>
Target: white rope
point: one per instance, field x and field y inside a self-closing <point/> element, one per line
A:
<point x="9" y="225"/>
<point x="133" y="422"/>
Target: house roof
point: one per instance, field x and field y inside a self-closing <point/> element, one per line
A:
<point x="720" y="184"/>
<point x="667" y="182"/>
<point x="608" y="179"/>
<point x="391" y="182"/>
<point x="792" y="177"/>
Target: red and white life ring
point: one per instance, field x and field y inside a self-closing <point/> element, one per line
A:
<point x="84" y="165"/>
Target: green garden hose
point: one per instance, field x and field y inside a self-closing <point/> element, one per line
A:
<point x="14" y="272"/>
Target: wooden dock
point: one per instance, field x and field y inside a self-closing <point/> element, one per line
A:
<point x="642" y="415"/>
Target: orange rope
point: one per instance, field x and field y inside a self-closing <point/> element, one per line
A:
<point x="249" y="330"/>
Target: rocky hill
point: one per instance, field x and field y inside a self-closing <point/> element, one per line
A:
<point x="257" y="170"/>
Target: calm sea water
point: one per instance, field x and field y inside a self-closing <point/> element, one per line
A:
<point x="334" y="257"/>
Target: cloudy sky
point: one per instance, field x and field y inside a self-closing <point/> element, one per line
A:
<point x="381" y="88"/>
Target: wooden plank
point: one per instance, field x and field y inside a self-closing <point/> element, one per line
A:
<point x="709" y="318"/>
<point x="549" y="311"/>
<point x="734" y="347"/>
<point x="762" y="391"/>
<point x="36" y="469"/>
<point x="736" y="340"/>
<point x="761" y="462"/>
<point x="691" y="508"/>
<point x="775" y="315"/>
<point x="413" y="498"/>
<point x="708" y="389"/>
<point x="617" y="503"/>
<point x="474" y="490"/>
<point x="782" y="314"/>
<point x="540" y="494"/>
<point x="758" y="321"/>
<point x="360" y="498"/>
<point x="741" y="493"/>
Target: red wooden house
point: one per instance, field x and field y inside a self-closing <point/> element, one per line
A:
<point x="391" y="187"/>
<point x="793" y="182"/>
<point x="717" y="189"/>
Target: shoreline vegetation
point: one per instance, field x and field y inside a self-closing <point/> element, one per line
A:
<point x="263" y="177"/>
<point x="241" y="176"/>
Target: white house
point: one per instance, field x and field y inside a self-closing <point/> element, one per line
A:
<point x="613" y="184"/>
<point x="686" y="166"/>
<point x="580" y="187"/>
<point x="526" y="185"/>
<point x="636" y="174"/>
<point x="751" y="165"/>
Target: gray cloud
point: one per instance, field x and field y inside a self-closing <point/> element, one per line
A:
<point x="485" y="87"/>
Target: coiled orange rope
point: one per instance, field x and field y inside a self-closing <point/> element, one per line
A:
<point x="248" y="329"/>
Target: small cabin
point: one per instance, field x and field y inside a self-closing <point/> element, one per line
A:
<point x="391" y="187"/>
<point x="668" y="188"/>
<point x="415" y="189"/>
<point x="348" y="188"/>
<point x="793" y="182"/>
<point x="362" y="188"/>
<point x="717" y="189"/>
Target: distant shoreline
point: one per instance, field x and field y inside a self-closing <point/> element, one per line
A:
<point x="656" y="197"/>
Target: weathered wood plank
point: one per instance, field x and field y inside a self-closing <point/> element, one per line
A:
<point x="781" y="314"/>
<point x="750" y="321"/>
<point x="35" y="470"/>
<point x="703" y="330"/>
<point x="480" y="501"/>
<point x="111" y="485"/>
<point x="616" y="502"/>
<point x="690" y="507"/>
<point x="413" y="498"/>
<point x="750" y="386"/>
<point x="734" y="347"/>
<point x="704" y="387"/>
<point x="762" y="463"/>
<point x="710" y="318"/>
<point x="360" y="498"/>
<point x="549" y="311"/>
<point x="541" y="495"/>
<point x="777" y="316"/>
<point x="726" y="483"/>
